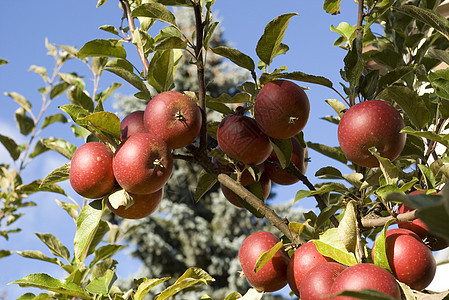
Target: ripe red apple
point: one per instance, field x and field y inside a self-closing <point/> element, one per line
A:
<point x="173" y="117"/>
<point x="372" y="123"/>
<point x="411" y="261"/>
<point x="131" y="124"/>
<point x="91" y="173"/>
<point x="281" y="109"/>
<point x="302" y="261"/>
<point x="272" y="276"/>
<point x="365" y="276"/>
<point x="417" y="226"/>
<point x="298" y="158"/>
<point x="318" y="281"/>
<point x="240" y="138"/>
<point x="142" y="164"/>
<point x="143" y="206"/>
<point x="264" y="182"/>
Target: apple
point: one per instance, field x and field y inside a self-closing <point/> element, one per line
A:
<point x="302" y="261"/>
<point x="264" y="183"/>
<point x="411" y="261"/>
<point x="365" y="276"/>
<point x="131" y="124"/>
<point x="143" y="205"/>
<point x="417" y="226"/>
<point x="298" y="158"/>
<point x="318" y="281"/>
<point x="91" y="173"/>
<point x="372" y="123"/>
<point x="281" y="109"/>
<point x="173" y="117"/>
<point x="240" y="138"/>
<point x="272" y="276"/>
<point x="142" y="164"/>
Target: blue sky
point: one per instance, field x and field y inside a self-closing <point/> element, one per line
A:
<point x="25" y="25"/>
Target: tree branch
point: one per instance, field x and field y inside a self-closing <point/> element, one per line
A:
<point x="378" y="222"/>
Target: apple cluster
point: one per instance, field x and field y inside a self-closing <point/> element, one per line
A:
<point x="311" y="275"/>
<point x="143" y="162"/>
<point x="281" y="111"/>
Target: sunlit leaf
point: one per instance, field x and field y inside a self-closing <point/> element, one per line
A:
<point x="330" y="245"/>
<point x="332" y="6"/>
<point x="99" y="47"/>
<point x="39" y="256"/>
<point x="347" y="229"/>
<point x="379" y="251"/>
<point x="102" y="285"/>
<point x="146" y="286"/>
<point x="205" y="182"/>
<point x="105" y="121"/>
<point x="266" y="256"/>
<point x="57" y="175"/>
<point x="156" y="11"/>
<point x="303" y="77"/>
<point x="237" y="57"/>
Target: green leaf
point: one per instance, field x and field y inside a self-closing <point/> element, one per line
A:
<point x="427" y="16"/>
<point x="143" y="41"/>
<point x="175" y="2"/>
<point x="104" y="252"/>
<point x="390" y="171"/>
<point x="109" y="28"/>
<point x="105" y="121"/>
<point x="410" y="102"/>
<point x="86" y="227"/>
<point x="98" y="64"/>
<point x="439" y="54"/>
<point x="172" y="42"/>
<point x="70" y="208"/>
<point x="346" y="31"/>
<point x="78" y="96"/>
<point x="297" y="227"/>
<point x="46" y="282"/>
<point x="76" y="112"/>
<point x="162" y="69"/>
<point x="367" y="295"/>
<point x="205" y="182"/>
<point x="442" y="139"/>
<point x="283" y="150"/>
<point x="338" y="106"/>
<point x="25" y="123"/>
<point x="154" y="10"/>
<point x="3" y="61"/>
<point x="303" y="77"/>
<point x="54" y="245"/>
<point x="42" y="71"/>
<point x="440" y="82"/>
<point x="101" y="97"/>
<point x="269" y="44"/>
<point x="329" y="173"/>
<point x="4" y="253"/>
<point x="347" y="229"/>
<point x="146" y="286"/>
<point x="332" y="6"/>
<point x="57" y="175"/>
<point x="237" y="57"/>
<point x="102" y="285"/>
<point x="325" y="188"/>
<point x="101" y="2"/>
<point x="99" y="47"/>
<point x="11" y="146"/>
<point x="131" y="78"/>
<point x="102" y="230"/>
<point x="330" y="245"/>
<point x="379" y="250"/>
<point x="53" y="119"/>
<point x="35" y="186"/>
<point x="332" y="152"/>
<point x="266" y="256"/>
<point x="393" y="76"/>
<point x="59" y="145"/>
<point x="59" y="89"/>
<point x="429" y="177"/>
<point x="39" y="256"/>
<point x="19" y="99"/>
<point x="354" y="63"/>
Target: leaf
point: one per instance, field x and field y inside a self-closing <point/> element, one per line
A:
<point x="78" y="96"/>
<point x="337" y="106"/>
<point x="154" y="10"/>
<point x="146" y="286"/>
<point x="439" y="54"/>
<point x="205" y="182"/>
<point x="39" y="256"/>
<point x="169" y="43"/>
<point x="101" y="2"/>
<point x="332" y="152"/>
<point x="297" y="227"/>
<point x="143" y="41"/>
<point x="106" y="122"/>
<point x="59" y="89"/>
<point x="99" y="47"/>
<point x="410" y="102"/>
<point x="19" y="99"/>
<point x="429" y="177"/>
<point x="393" y="76"/>
<point x="325" y="188"/>
<point x="101" y="97"/>
<point x="347" y="229"/>
<point x="102" y="285"/>
<point x="57" y="175"/>
<point x="42" y="71"/>
<point x="332" y="6"/>
<point x="389" y="170"/>
<point x="380" y="248"/>
<point x="175" y="2"/>
<point x="4" y="253"/>
<point x="11" y="146"/>
<point x="59" y="145"/>
<point x="131" y="78"/>
<point x="354" y="63"/>
<point x="226" y="98"/>
<point x="269" y="43"/>
<point x="303" y="77"/>
<point x="162" y="70"/>
<point x="237" y="57"/>
<point x="346" y="31"/>
<point x="120" y="198"/>
<point x="440" y="82"/>
<point x="329" y="173"/>
<point x="109" y="28"/>
<point x="442" y="139"/>
<point x="330" y="245"/>
<point x="75" y="112"/>
<point x="283" y="149"/>
<point x="86" y="227"/>
<point x="53" y="119"/>
<point x="105" y="252"/>
<point x="54" y="245"/>
<point x="35" y="186"/>
<point x="266" y="256"/>
<point x="70" y="208"/>
<point x="3" y="61"/>
<point x="25" y="123"/>
<point x="46" y="282"/>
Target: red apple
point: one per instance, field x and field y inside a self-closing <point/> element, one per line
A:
<point x="318" y="281"/>
<point x="142" y="164"/>
<point x="298" y="158"/>
<point x="411" y="261"/>
<point x="281" y="109"/>
<point x="131" y="124"/>
<point x="173" y="117"/>
<point x="368" y="124"/>
<point x="265" y="185"/>
<point x="143" y="206"/>
<point x="91" y="173"/>
<point x="365" y="276"/>
<point x="272" y="276"/>
<point x="302" y="261"/>
<point x="240" y="138"/>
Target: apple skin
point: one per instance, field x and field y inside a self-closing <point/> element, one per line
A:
<point x="91" y="173"/>
<point x="302" y="261"/>
<point x="272" y="276"/>
<point x="417" y="226"/>
<point x="142" y="164"/>
<point x="131" y="124"/>
<point x="298" y="158"/>
<point x="143" y="206"/>
<point x="240" y="138"/>
<point x="411" y="261"/>
<point x="232" y="197"/>
<point x="318" y="281"/>
<point x="365" y="276"/>
<point x="372" y="123"/>
<point x="173" y="117"/>
<point x="281" y="109"/>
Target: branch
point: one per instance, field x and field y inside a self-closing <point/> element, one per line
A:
<point x="360" y="17"/>
<point x="378" y="222"/>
